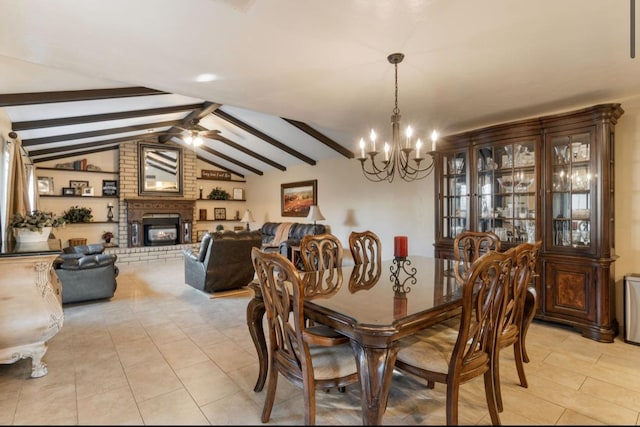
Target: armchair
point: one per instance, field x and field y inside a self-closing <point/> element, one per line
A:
<point x="223" y="261"/>
<point x="86" y="273"/>
<point x="296" y="232"/>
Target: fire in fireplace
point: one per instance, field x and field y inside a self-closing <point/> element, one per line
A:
<point x="159" y="231"/>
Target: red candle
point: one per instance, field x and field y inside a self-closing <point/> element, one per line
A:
<point x="400" y="246"/>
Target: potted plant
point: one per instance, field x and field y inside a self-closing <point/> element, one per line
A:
<point x="76" y="214"/>
<point x="107" y="236"/>
<point x="35" y="226"/>
<point x="219" y="194"/>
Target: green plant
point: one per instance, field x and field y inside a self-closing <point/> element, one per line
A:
<point x="219" y="227"/>
<point x="219" y="194"/>
<point x="36" y="220"/>
<point x="76" y="214"/>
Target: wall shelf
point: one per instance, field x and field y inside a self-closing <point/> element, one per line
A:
<point x="215" y="200"/>
<point x="76" y="170"/>
<point x="79" y="197"/>
<point x="218" y="220"/>
<point x="221" y="180"/>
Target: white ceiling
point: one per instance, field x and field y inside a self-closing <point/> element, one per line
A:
<point x="321" y="62"/>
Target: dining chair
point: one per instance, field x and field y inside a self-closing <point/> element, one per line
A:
<point x="308" y="360"/>
<point x="468" y="246"/>
<point x="321" y="251"/>
<point x="366" y="251"/>
<point x="511" y="333"/>
<point x="453" y="356"/>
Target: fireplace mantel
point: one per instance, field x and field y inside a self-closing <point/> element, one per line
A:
<point x="137" y="209"/>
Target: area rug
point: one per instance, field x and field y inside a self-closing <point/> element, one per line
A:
<point x="243" y="291"/>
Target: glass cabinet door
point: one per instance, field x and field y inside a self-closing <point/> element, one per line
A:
<point x="507" y="191"/>
<point x="571" y="189"/>
<point x="455" y="203"/>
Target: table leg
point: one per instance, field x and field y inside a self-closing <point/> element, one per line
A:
<point x="375" y="368"/>
<point x="255" y="315"/>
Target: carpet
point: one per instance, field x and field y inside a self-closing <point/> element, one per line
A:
<point x="244" y="291"/>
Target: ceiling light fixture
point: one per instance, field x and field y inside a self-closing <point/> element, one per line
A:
<point x="193" y="138"/>
<point x="398" y="157"/>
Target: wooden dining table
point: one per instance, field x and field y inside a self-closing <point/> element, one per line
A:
<point x="408" y="295"/>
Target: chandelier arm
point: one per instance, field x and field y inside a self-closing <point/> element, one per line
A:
<point x="409" y="169"/>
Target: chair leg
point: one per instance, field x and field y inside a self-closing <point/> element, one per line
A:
<point x="490" y="392"/>
<point x="495" y="378"/>
<point x="452" y="404"/>
<point x="309" y="404"/>
<point x="517" y="354"/>
<point x="530" y="304"/>
<point x="271" y="393"/>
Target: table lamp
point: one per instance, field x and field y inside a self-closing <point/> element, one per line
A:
<point x="248" y="217"/>
<point x="315" y="215"/>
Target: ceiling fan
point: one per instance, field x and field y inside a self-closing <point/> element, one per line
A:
<point x="195" y="133"/>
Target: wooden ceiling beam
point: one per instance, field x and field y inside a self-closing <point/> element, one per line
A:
<point x="320" y="137"/>
<point x="246" y="151"/>
<point x="193" y="117"/>
<point x="92" y="134"/>
<point x="89" y="145"/>
<point x="229" y="159"/>
<point x="69" y="121"/>
<point x="64" y="156"/>
<point x="255" y="132"/>
<point x="13" y="99"/>
<point x="219" y="166"/>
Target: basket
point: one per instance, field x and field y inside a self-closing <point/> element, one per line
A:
<point x="77" y="242"/>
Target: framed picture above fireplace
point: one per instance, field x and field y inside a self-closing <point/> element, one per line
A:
<point x="160" y="170"/>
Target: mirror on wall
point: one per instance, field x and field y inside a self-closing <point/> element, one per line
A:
<point x="160" y="171"/>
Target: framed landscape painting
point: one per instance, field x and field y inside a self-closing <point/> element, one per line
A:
<point x="297" y="197"/>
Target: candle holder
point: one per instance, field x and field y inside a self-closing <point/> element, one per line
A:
<point x="400" y="264"/>
<point x="200" y="193"/>
<point x="110" y="213"/>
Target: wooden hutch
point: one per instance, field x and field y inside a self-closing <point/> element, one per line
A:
<point x="548" y="178"/>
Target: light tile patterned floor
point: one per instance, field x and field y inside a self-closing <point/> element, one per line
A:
<point x="161" y="352"/>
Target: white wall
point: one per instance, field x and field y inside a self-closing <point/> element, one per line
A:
<point x="350" y="202"/>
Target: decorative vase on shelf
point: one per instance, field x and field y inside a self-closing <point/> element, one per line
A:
<point x="24" y="235"/>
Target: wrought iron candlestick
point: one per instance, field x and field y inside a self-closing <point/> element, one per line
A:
<point x="400" y="264"/>
<point x="110" y="212"/>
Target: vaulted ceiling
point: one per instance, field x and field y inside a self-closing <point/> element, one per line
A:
<point x="297" y="82"/>
<point x="104" y="118"/>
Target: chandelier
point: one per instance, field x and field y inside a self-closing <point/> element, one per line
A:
<point x="405" y="159"/>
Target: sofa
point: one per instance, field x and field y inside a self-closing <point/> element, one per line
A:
<point x="222" y="262"/>
<point x="297" y="231"/>
<point x="86" y="273"/>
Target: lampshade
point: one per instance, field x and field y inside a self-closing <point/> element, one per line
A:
<point x="315" y="214"/>
<point x="248" y="217"/>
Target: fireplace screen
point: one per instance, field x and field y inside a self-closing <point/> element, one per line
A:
<point x="156" y="235"/>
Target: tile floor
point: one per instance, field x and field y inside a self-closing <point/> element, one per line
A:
<point x="161" y="353"/>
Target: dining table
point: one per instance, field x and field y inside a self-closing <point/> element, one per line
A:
<point x="375" y="313"/>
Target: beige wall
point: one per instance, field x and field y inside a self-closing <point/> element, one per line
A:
<point x="350" y="202"/>
<point x="627" y="194"/>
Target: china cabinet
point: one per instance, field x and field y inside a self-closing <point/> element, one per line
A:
<point x="549" y="178"/>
